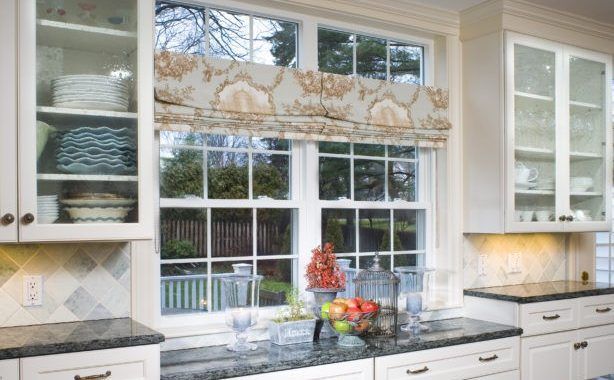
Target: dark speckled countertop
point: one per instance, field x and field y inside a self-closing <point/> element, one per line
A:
<point x="59" y="338"/>
<point x="216" y="362"/>
<point x="542" y="291"/>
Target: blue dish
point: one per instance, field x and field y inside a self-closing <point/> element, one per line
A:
<point x="101" y="168"/>
<point x="95" y="150"/>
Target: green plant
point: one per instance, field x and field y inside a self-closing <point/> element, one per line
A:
<point x="295" y="310"/>
<point x="178" y="249"/>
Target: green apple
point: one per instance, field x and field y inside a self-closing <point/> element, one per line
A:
<point x="342" y="327"/>
<point x="325" y="309"/>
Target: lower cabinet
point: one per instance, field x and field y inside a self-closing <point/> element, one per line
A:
<point x="509" y="375"/>
<point x="9" y="369"/>
<point x="474" y="360"/>
<point x="579" y="354"/>
<point x="352" y="370"/>
<point x="134" y="363"/>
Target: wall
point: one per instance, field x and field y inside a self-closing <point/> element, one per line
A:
<point x="542" y="256"/>
<point x="80" y="282"/>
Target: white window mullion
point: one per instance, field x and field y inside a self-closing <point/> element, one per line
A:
<point x="209" y="266"/>
<point x="207" y="41"/>
<point x="251" y="38"/>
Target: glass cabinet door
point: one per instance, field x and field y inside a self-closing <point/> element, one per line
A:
<point x="587" y="139"/>
<point x="82" y="119"/>
<point x="535" y="134"/>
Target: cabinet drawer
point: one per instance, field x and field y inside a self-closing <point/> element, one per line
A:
<point x="454" y="362"/>
<point x="547" y="317"/>
<point x="352" y="370"/>
<point x="9" y="369"/>
<point x="598" y="310"/>
<point x="134" y="363"/>
<point x="509" y="375"/>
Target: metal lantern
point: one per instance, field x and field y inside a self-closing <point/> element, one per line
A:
<point x="381" y="286"/>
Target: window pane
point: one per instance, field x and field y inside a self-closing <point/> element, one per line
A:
<point x="402" y="181"/>
<point x="183" y="233"/>
<point x="334" y="178"/>
<point x="274" y="231"/>
<point x="405" y="230"/>
<point x="227" y="175"/>
<point x="274" y="42"/>
<point x="405" y="61"/>
<point x="181" y="138"/>
<point x="339" y="228"/>
<point x="271" y="176"/>
<point x="334" y="147"/>
<point x="219" y="270"/>
<point x="266" y="143"/>
<point x="401" y="151"/>
<point x="181" y="173"/>
<point x="228" y="35"/>
<point x="368" y="180"/>
<point x="180" y="28"/>
<point x="183" y="288"/>
<point x="277" y="281"/>
<point x="406" y="260"/>
<point x="374" y="230"/>
<point x="231" y="232"/>
<point x="369" y="150"/>
<point x="366" y="262"/>
<point x="371" y="57"/>
<point x="335" y="51"/>
<point x="225" y="141"/>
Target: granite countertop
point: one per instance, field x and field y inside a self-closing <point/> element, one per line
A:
<point x="542" y="291"/>
<point x="216" y="362"/>
<point x="59" y="338"/>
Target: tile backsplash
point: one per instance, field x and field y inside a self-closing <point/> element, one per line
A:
<point x="542" y="257"/>
<point x="80" y="282"/>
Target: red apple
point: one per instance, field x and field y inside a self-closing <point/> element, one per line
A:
<point x="337" y="310"/>
<point x="354" y="314"/>
<point x="369" y="307"/>
<point x="353" y="302"/>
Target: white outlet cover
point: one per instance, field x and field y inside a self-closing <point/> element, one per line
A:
<point x="513" y="263"/>
<point x="482" y="264"/>
<point x="33" y="290"/>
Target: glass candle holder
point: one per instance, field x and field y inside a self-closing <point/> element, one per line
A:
<point x="414" y="294"/>
<point x="241" y="295"/>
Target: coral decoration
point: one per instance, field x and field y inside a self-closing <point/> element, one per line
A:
<point x="323" y="270"/>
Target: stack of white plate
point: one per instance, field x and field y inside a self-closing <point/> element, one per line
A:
<point x="48" y="209"/>
<point x="90" y="92"/>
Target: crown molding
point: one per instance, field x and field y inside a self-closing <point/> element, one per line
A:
<point x="538" y="14"/>
<point x="396" y="13"/>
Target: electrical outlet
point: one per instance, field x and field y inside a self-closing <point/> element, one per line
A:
<point x="513" y="263"/>
<point x="33" y="290"/>
<point x="482" y="264"/>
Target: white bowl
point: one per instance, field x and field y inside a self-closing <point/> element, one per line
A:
<point x="101" y="214"/>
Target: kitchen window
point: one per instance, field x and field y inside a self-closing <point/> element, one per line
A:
<point x="225" y="34"/>
<point x="349" y="53"/>
<point x="225" y="200"/>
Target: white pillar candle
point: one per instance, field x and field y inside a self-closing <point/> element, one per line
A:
<point x="413" y="303"/>
<point x="241" y="319"/>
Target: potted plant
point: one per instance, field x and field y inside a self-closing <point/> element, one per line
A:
<point x="324" y="277"/>
<point x="293" y="324"/>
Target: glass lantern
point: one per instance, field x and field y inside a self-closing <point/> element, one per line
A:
<point x="415" y="289"/>
<point x="381" y="286"/>
<point x="241" y="295"/>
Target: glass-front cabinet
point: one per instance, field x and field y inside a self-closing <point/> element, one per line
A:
<point x="557" y="103"/>
<point x="85" y="119"/>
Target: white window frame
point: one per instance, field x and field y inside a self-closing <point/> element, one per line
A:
<point x="308" y="235"/>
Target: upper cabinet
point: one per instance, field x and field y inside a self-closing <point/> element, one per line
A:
<point x="83" y="121"/>
<point x="537" y="136"/>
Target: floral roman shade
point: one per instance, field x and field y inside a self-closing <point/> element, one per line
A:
<point x="195" y="93"/>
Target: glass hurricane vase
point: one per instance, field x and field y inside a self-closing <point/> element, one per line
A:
<point x="241" y="295"/>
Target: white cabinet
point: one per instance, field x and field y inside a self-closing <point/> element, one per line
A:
<point x="130" y="363"/>
<point x="509" y="375"/>
<point x="352" y="370"/>
<point x="550" y="356"/>
<point x="546" y="136"/>
<point x="595" y="356"/>
<point x="77" y="137"/>
<point x="9" y="369"/>
<point x="454" y="362"/>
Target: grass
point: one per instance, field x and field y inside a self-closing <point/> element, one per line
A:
<point x="275" y="286"/>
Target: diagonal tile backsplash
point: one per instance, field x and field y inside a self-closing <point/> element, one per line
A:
<point x="542" y="256"/>
<point x="80" y="282"/>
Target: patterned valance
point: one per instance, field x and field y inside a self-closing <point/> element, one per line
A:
<point x="195" y="93"/>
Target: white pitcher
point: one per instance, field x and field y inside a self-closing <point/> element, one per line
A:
<point x="525" y="174"/>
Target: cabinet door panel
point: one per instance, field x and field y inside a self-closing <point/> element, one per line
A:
<point x="596" y="358"/>
<point x="9" y="369"/>
<point x="353" y="370"/>
<point x="85" y="131"/>
<point x="8" y="129"/>
<point x="549" y="357"/>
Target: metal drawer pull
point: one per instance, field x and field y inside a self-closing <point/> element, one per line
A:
<point x="584" y="344"/>
<point x="606" y="310"/>
<point x="489" y="359"/>
<point x="417" y="371"/>
<point x="551" y="317"/>
<point x="105" y="375"/>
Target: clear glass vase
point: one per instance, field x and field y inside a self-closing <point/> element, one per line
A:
<point x="240" y="295"/>
<point x="415" y="289"/>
